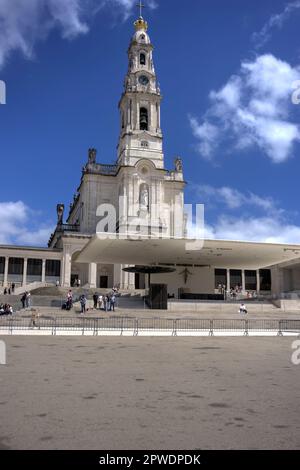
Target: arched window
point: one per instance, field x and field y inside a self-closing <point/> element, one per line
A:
<point x="142" y="59"/>
<point x="143" y="119"/>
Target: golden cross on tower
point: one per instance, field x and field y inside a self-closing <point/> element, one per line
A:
<point x="140" y="6"/>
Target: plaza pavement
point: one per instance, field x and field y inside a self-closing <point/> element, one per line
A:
<point x="149" y="393"/>
<point x="209" y="313"/>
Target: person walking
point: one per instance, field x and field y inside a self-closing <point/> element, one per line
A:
<point x="83" y="303"/>
<point x="34" y="318"/>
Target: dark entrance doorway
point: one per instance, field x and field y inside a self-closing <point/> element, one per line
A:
<point x="103" y="282"/>
<point x="74" y="279"/>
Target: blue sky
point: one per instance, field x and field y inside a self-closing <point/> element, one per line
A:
<point x="226" y="70"/>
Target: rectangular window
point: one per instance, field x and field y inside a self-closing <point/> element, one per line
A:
<point x="250" y="280"/>
<point x="2" y="265"/>
<point x="265" y="279"/>
<point x="34" y="267"/>
<point x="235" y="278"/>
<point x="15" y="266"/>
<point x="220" y="277"/>
<point x="52" y="268"/>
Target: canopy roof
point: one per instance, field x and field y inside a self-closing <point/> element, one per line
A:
<point x="111" y="248"/>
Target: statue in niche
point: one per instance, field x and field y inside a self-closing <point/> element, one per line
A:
<point x="178" y="165"/>
<point x="144" y="197"/>
<point x="92" y="155"/>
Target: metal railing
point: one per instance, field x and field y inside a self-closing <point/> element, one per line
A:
<point x="136" y="326"/>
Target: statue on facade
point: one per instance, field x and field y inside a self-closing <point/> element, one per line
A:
<point x="60" y="213"/>
<point x="178" y="165"/>
<point x="186" y="273"/>
<point x="92" y="155"/>
<point x="144" y="197"/>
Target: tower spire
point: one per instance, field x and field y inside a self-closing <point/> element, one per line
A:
<point x="140" y="6"/>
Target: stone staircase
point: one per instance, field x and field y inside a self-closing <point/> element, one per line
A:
<point x="77" y="291"/>
<point x="131" y="302"/>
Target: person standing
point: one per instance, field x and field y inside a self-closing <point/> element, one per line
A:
<point x="95" y="299"/>
<point x="13" y="288"/>
<point x="28" y="299"/>
<point x="105" y="302"/>
<point x="23" y="300"/>
<point x="69" y="300"/>
<point x="83" y="303"/>
<point x="112" y="302"/>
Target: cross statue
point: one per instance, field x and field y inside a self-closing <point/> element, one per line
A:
<point x="140" y="6"/>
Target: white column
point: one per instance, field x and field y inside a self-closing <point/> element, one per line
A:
<point x="44" y="270"/>
<point x="24" y="281"/>
<point x="228" y="280"/>
<point x="243" y="281"/>
<point x="5" y="281"/>
<point x="92" y="279"/>
<point x="66" y="278"/>
<point x="117" y="274"/>
<point x="257" y="281"/>
<point x="131" y="281"/>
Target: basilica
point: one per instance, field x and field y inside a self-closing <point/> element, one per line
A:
<point x="138" y="197"/>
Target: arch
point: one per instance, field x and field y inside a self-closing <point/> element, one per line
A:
<point x="144" y="120"/>
<point x="143" y="162"/>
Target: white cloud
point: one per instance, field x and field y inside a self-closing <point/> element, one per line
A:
<point x="24" y="22"/>
<point x="260" y="229"/>
<point x="275" y="21"/>
<point x="207" y="134"/>
<point x="252" y="110"/>
<point x="272" y="225"/>
<point x="19" y="225"/>
<point x="232" y="198"/>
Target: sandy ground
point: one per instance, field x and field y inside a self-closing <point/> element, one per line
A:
<point x="149" y="393"/>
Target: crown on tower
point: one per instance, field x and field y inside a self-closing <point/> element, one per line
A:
<point x="141" y="24"/>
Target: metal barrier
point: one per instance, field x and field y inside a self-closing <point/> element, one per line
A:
<point x="137" y="325"/>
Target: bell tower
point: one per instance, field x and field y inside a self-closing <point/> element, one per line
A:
<point x="140" y="133"/>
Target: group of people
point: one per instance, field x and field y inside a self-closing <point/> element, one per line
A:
<point x="9" y="290"/>
<point x="234" y="292"/>
<point x="104" y="302"/>
<point x="26" y="300"/>
<point x="6" y="309"/>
